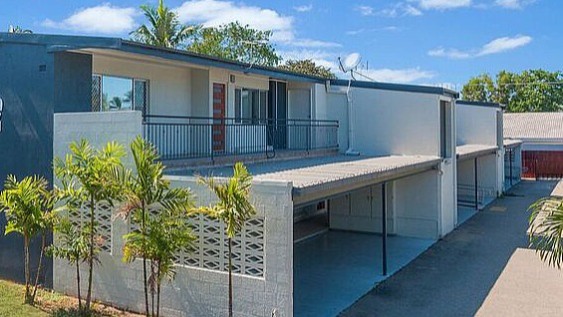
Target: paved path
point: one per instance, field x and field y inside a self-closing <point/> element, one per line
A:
<point x="526" y="287"/>
<point x="455" y="276"/>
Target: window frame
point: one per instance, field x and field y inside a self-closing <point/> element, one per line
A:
<point x="146" y="106"/>
<point x="239" y="111"/>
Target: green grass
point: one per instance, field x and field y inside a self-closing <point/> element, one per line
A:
<point x="47" y="303"/>
<point x="11" y="302"/>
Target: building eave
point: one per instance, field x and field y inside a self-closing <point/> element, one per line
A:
<point x="62" y="43"/>
<point x="396" y="87"/>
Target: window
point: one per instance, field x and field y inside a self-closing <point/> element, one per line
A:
<point x="111" y="93"/>
<point x="445" y="129"/>
<point x="250" y="105"/>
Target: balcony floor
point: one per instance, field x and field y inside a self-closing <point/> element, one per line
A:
<point x="265" y="167"/>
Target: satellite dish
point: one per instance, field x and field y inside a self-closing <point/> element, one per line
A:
<point x="350" y="63"/>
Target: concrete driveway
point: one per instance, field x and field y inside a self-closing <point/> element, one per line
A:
<point x="455" y="277"/>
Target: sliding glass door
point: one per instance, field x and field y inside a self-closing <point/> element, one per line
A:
<point x="277" y="115"/>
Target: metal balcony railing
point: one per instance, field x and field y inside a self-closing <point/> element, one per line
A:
<point x="179" y="137"/>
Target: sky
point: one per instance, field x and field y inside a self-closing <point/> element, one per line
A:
<point x="430" y="42"/>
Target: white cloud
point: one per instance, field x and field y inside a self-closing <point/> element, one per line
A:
<point x="390" y="28"/>
<point x="503" y="44"/>
<point x="449" y="53"/>
<point x="303" y="8"/>
<point x="399" y="9"/>
<point x="404" y="76"/>
<point x="330" y="60"/>
<point x="442" y="4"/>
<point x="213" y="13"/>
<point x="514" y="4"/>
<point x="365" y="10"/>
<point x="308" y="43"/>
<point x="103" y="19"/>
<point x="499" y="45"/>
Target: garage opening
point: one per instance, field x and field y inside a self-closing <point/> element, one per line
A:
<point x="343" y="248"/>
<point x="476" y="184"/>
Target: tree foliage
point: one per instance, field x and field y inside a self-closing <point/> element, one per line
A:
<point x="308" y="67"/>
<point x="72" y="246"/>
<point x="89" y="177"/>
<point x="530" y="91"/>
<point x="237" y="42"/>
<point x="163" y="29"/>
<point x="233" y="208"/>
<point x="28" y="205"/>
<point x="161" y="234"/>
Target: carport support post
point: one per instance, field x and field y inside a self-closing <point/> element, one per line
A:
<point x="384" y="226"/>
<point x="476" y="187"/>
<point x="510" y="164"/>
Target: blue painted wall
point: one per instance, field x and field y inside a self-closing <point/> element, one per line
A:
<point x="34" y="84"/>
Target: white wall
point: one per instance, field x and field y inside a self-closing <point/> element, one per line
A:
<point x="196" y="291"/>
<point x="417" y="205"/>
<point x="487" y="169"/>
<point x="413" y="207"/>
<point x="448" y="198"/>
<point x="336" y="108"/>
<point x="396" y="122"/>
<point x="169" y="86"/>
<point x="361" y="210"/>
<point x="200" y="93"/>
<point x="480" y="125"/>
<point x="476" y="124"/>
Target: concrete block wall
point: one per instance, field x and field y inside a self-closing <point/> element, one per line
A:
<point x="195" y="291"/>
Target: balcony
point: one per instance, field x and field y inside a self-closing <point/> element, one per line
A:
<point x="190" y="138"/>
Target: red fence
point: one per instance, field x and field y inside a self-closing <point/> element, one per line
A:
<point x="542" y="164"/>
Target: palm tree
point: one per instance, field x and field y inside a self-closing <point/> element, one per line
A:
<point x="546" y="230"/>
<point x="233" y="209"/>
<point x="72" y="245"/>
<point x="158" y="237"/>
<point x="89" y="177"/>
<point x="28" y="204"/>
<point x="19" y="29"/>
<point x="164" y="29"/>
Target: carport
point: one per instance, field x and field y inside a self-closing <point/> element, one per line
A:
<point x="476" y="178"/>
<point x="342" y="247"/>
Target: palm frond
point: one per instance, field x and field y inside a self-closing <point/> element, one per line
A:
<point x="546" y="230"/>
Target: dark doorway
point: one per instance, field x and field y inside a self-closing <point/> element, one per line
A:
<point x="277" y="115"/>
